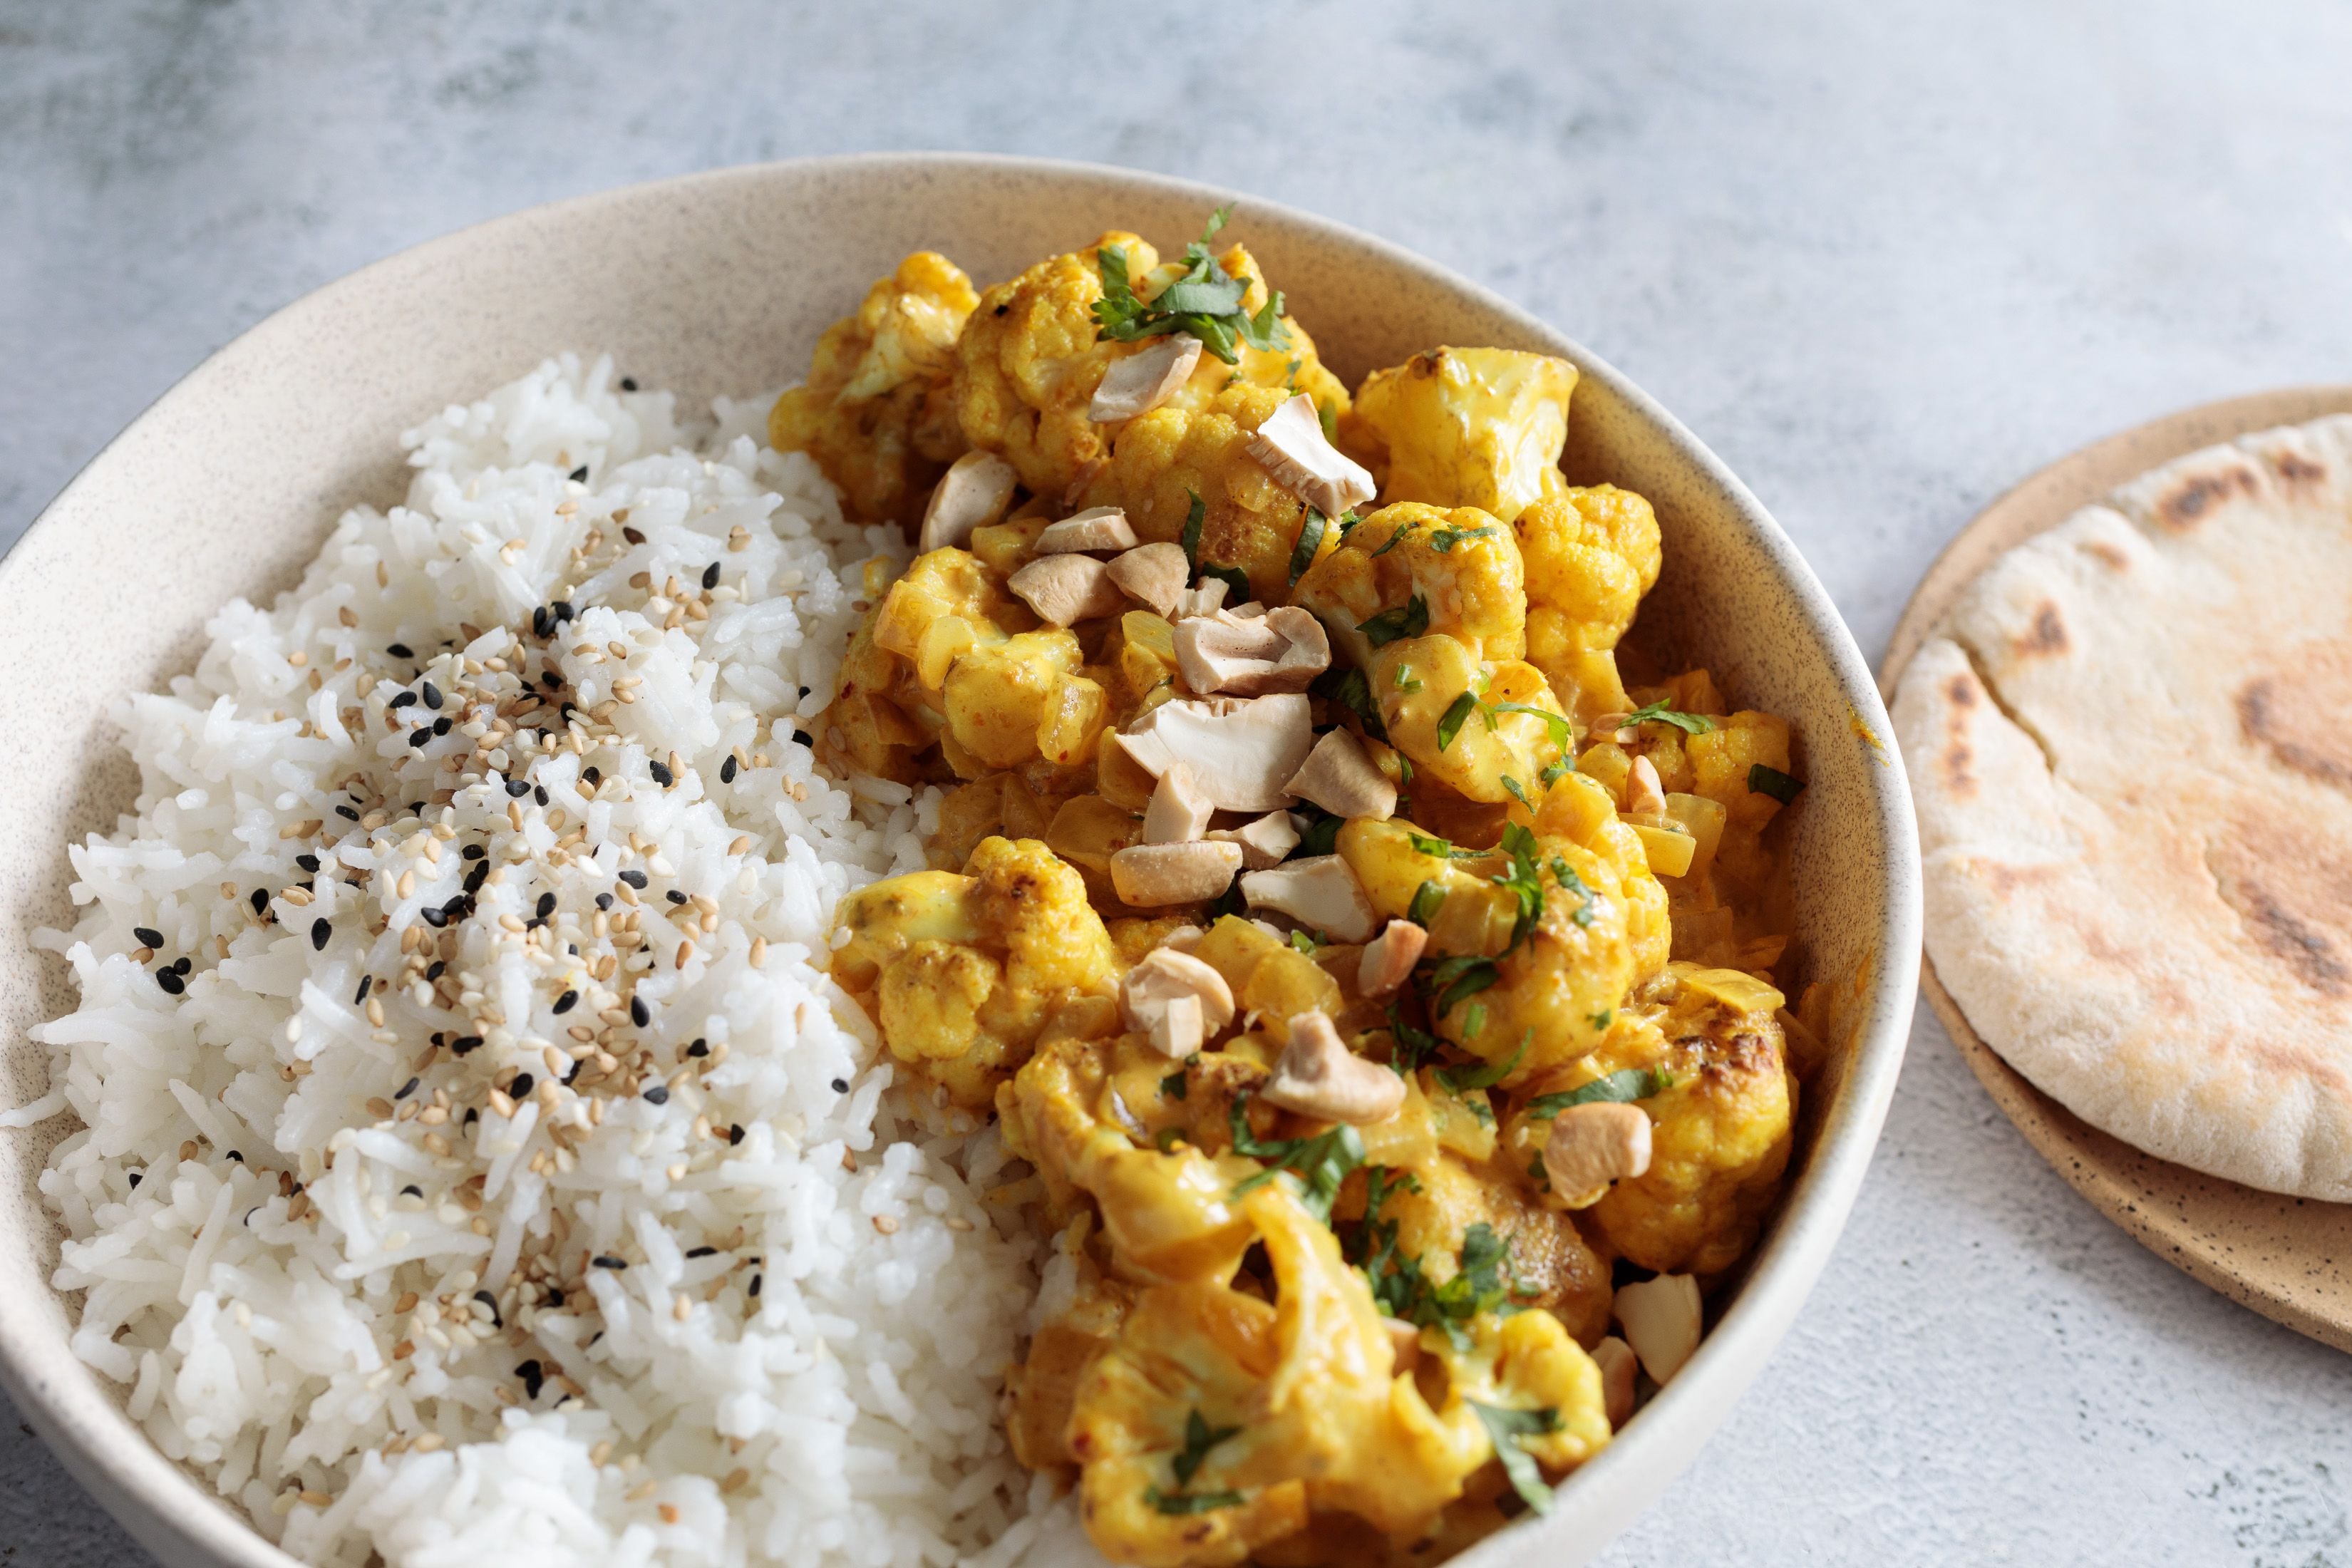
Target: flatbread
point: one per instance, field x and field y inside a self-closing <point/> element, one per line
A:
<point x="2131" y="746"/>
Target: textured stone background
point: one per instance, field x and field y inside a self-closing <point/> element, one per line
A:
<point x="1885" y="258"/>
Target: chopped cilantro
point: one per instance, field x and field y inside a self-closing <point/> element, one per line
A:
<point x="1457" y="978"/>
<point x="1405" y="680"/>
<point x="1303" y="942"/>
<point x="1191" y="539"/>
<point x="1505" y="1428"/>
<point x="1348" y="520"/>
<point x="1457" y="713"/>
<point x="1603" y="1018"/>
<point x="1422" y="844"/>
<point x="1564" y="733"/>
<point x="1322" y="835"/>
<point x="1557" y="771"/>
<point x="1443" y="539"/>
<point x="1474" y="1018"/>
<point x="1427" y="899"/>
<point x="1486" y="1075"/>
<point x="1204" y="301"/>
<point x="1523" y="880"/>
<point x="1781" y="786"/>
<point x="1396" y="538"/>
<point x="1413" y="1046"/>
<point x="1190" y="1502"/>
<point x="1621" y="1088"/>
<point x="1402" y="1288"/>
<point x="1409" y="619"/>
<point x="1199" y="1439"/>
<point x="1519" y="792"/>
<point x="1236" y="582"/>
<point x="1172" y="1087"/>
<point x="1587" y="901"/>
<point x="1659" y="712"/>
<point x="1329" y="417"/>
<point x="1351" y="690"/>
<point x="1318" y="1164"/>
<point x="1310" y="540"/>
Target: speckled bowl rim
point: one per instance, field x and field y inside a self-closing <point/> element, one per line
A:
<point x="174" y="1515"/>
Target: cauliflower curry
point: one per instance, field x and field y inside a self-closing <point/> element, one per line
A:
<point x="1377" y="974"/>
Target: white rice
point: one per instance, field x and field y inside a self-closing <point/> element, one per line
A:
<point x="843" y="1414"/>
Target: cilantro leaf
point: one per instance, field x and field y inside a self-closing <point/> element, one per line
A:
<point x="1456" y="715"/>
<point x="1621" y="1088"/>
<point x="1564" y="733"/>
<point x="1519" y="792"/>
<point x="1318" y="1164"/>
<point x="1413" y="1046"/>
<point x="1427" y="899"/>
<point x="1486" y="1075"/>
<point x="1505" y="1428"/>
<point x="1310" y="540"/>
<point x="1443" y="539"/>
<point x="1781" y="786"/>
<point x="1409" y="619"/>
<point x="1322" y="835"/>
<point x="1557" y="771"/>
<point x="1350" y="689"/>
<point x="1396" y="538"/>
<point x="1191" y="539"/>
<point x="1303" y="942"/>
<point x="1205" y="299"/>
<point x="1328" y="417"/>
<point x="1191" y="1502"/>
<point x="1457" y="978"/>
<point x="1199" y="1439"/>
<point x="1173" y="1085"/>
<point x="1236" y="582"/>
<point x="1523" y="880"/>
<point x="1587" y="901"/>
<point x="1659" y="713"/>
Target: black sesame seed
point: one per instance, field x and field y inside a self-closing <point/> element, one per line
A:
<point x="400" y="650"/>
<point x="636" y="879"/>
<point x="412" y="1191"/>
<point x="675" y="897"/>
<point x="308" y="862"/>
<point x="464" y="1043"/>
<point x="562" y="608"/>
<point x="632" y="535"/>
<point x="136" y="1177"/>
<point x="260" y="900"/>
<point x="148" y="936"/>
<point x="711" y="576"/>
<point x="580" y="474"/>
<point x="727" y="771"/>
<point x="345" y="811"/>
<point x="441" y="725"/>
<point x="182" y="964"/>
<point x="432" y="694"/>
<point x="405" y="1090"/>
<point x="539" y="793"/>
<point x="575" y="1073"/>
<point x="603" y="900"/>
<point x="552" y="680"/>
<point x="438" y="969"/>
<point x="401" y="700"/>
<point x="236" y="1156"/>
<point x="472" y="1116"/>
<point x="456" y="908"/>
<point x="639" y="1014"/>
<point x="606" y="1260"/>
<point x="170" y="982"/>
<point x="486" y="1300"/>
<point x="591" y="774"/>
<point x="420" y="737"/>
<point x="565" y="1003"/>
<point x="703" y="1252"/>
<point x="657" y="1095"/>
<point x="628" y="384"/>
<point x="518" y="788"/>
<point x="700" y="1048"/>
<point x="802" y="737"/>
<point x="476" y="876"/>
<point x="367" y="984"/>
<point x="533" y="1379"/>
<point x="546" y="905"/>
<point x="472" y="852"/>
<point x="522" y="1085"/>
<point x="735" y="1135"/>
<point x="539" y="624"/>
<point x="755" y="1287"/>
<point x="320" y="930"/>
<point x="661" y="773"/>
<point x="555" y="1298"/>
<point x="841" y="1086"/>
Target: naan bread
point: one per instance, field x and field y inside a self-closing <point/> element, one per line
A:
<point x="2131" y="744"/>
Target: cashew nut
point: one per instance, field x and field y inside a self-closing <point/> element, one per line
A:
<point x="1338" y="776"/>
<point x="1176" y="999"/>
<point x="1318" y="1076"/>
<point x="1263" y="842"/>
<point x="975" y="490"/>
<point x="1643" y="792"/>
<point x="1066" y="589"/>
<point x="1096" y="528"/>
<point x="1594" y="1144"/>
<point x="1615" y="1359"/>
<point x="1291" y="447"/>
<point x="1320" y="892"/>
<point x="1148" y="875"/>
<point x="1661" y="1319"/>
<point x="1153" y="575"/>
<point x="1388" y="959"/>
<point x="1180" y="809"/>
<point x="1276" y="650"/>
<point x="1142" y="382"/>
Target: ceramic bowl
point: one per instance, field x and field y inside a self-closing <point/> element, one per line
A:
<point x="720" y="282"/>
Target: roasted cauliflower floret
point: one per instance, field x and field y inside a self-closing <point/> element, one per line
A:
<point x="1719" y="761"/>
<point x="1488" y="748"/>
<point x="874" y="411"/>
<point x="1720" y="1133"/>
<point x="1021" y="701"/>
<point x="1279" y="1411"/>
<point x="1478" y="427"/>
<point x="1590" y="554"/>
<point x="963" y="972"/>
<point x="1411" y="569"/>
<point x="1428" y="1234"/>
<point x="1166" y="457"/>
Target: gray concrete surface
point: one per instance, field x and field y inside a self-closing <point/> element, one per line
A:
<point x="1886" y="258"/>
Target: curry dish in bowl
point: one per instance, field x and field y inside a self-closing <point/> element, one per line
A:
<point x="1373" y="959"/>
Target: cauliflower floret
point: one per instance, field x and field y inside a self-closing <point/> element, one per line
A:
<point x="1410" y="569"/>
<point x="1166" y="457"/>
<point x="874" y="411"/>
<point x="964" y="971"/>
<point x="1719" y="761"/>
<point x="1488" y="750"/>
<point x="1480" y="427"/>
<point x="1591" y="555"/>
<point x="1020" y="700"/>
<point x="1285" y="1411"/>
<point x="1720" y="1135"/>
<point x="1528" y="1255"/>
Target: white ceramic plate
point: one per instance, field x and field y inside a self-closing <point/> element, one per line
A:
<point x="719" y="283"/>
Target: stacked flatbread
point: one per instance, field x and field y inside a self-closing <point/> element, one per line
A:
<point x="2131" y="743"/>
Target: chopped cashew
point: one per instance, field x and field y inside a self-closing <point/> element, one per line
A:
<point x="1643" y="791"/>
<point x="1166" y="976"/>
<point x="1204" y="600"/>
<point x="1096" y="528"/>
<point x="1263" y="842"/>
<point x="1179" y="812"/>
<point x="1275" y="650"/>
<point x="1338" y="776"/>
<point x="1178" y="1030"/>
<point x="975" y="490"/>
<point x="1149" y="875"/>
<point x="1184" y="938"/>
<point x="1066" y="589"/>
<point x="1615" y="1359"/>
<point x="1388" y="959"/>
<point x="1591" y="1145"/>
<point x="1240" y="750"/>
<point x="1615" y="727"/>
<point x="1142" y="382"/>
<point x="1291" y="447"/>
<point x="1661" y="1318"/>
<point x="1318" y="1076"/>
<point x="1153" y="575"/>
<point x="1320" y="892"/>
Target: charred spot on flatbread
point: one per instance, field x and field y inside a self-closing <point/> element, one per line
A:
<point x="2047" y="636"/>
<point x="2295" y="899"/>
<point x="2295" y="468"/>
<point x="2116" y="560"/>
<point x="2195" y="497"/>
<point x="2297" y="712"/>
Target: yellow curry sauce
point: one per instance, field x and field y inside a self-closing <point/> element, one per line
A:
<point x="1381" y="990"/>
